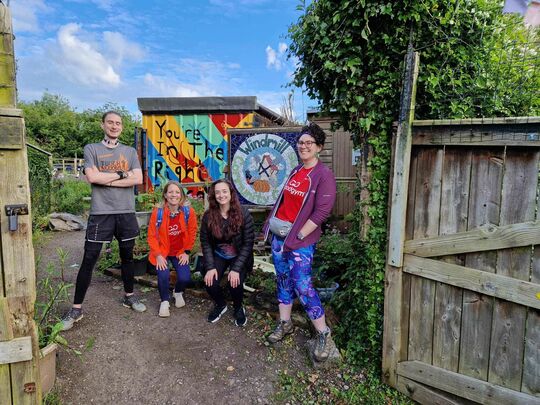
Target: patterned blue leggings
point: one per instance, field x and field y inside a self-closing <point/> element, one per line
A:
<point x="293" y="271"/>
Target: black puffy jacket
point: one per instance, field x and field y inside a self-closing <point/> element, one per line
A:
<point x="243" y="242"/>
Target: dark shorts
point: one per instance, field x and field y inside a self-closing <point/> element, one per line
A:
<point x="102" y="228"/>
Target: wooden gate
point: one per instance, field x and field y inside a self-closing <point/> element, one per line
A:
<point x="462" y="296"/>
<point x="19" y="352"/>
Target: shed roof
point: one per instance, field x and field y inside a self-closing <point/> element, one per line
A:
<point x="148" y="105"/>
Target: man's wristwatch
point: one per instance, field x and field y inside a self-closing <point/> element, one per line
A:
<point x="122" y="174"/>
<point x="300" y="236"/>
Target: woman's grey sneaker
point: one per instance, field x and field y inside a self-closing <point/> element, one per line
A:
<point x="72" y="316"/>
<point x="216" y="313"/>
<point x="322" y="347"/>
<point x="283" y="329"/>
<point x="133" y="302"/>
<point x="240" y="317"/>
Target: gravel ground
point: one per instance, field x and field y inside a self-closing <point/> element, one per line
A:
<point x="143" y="359"/>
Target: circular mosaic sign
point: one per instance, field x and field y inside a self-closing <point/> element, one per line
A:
<point x="260" y="167"/>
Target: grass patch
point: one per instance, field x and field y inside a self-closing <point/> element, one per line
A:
<point x="343" y="385"/>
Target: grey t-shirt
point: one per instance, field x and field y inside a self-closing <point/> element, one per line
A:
<point x="105" y="199"/>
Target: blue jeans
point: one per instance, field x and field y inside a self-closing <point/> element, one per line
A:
<point x="183" y="278"/>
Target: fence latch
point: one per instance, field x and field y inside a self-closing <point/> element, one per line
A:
<point x="13" y="211"/>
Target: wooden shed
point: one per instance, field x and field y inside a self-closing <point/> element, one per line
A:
<point x="339" y="154"/>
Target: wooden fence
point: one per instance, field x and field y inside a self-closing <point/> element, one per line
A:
<point x="462" y="296"/>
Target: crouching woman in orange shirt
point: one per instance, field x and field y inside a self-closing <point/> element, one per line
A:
<point x="171" y="234"/>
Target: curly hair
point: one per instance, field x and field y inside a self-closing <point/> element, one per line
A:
<point x="215" y="220"/>
<point x="315" y="131"/>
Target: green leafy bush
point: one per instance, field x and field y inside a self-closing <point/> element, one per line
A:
<point x="68" y="196"/>
<point x="39" y="173"/>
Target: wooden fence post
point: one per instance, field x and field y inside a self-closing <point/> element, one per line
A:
<point x="393" y="338"/>
<point x="19" y="350"/>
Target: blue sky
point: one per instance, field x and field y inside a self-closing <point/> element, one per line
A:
<point x="97" y="51"/>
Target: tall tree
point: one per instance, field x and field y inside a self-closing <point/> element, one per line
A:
<point x="55" y="126"/>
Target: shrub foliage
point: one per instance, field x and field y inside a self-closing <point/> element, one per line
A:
<point x="351" y="57"/>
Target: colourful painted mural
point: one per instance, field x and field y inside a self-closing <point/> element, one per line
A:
<point x="260" y="164"/>
<point x="189" y="148"/>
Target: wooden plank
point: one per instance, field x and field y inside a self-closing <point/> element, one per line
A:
<point x="477" y="121"/>
<point x="463" y="386"/>
<point x="25" y="372"/>
<point x="5" y="384"/>
<point x="394" y="342"/>
<point x="426" y="223"/>
<point x="518" y="205"/>
<point x="427" y="395"/>
<point x="484" y="238"/>
<point x="494" y="285"/>
<point x="402" y="158"/>
<point x="461" y="140"/>
<point x="6" y="329"/>
<point x="19" y="272"/>
<point x="17" y="249"/>
<point x="484" y="207"/>
<point x="15" y="350"/>
<point x="531" y="357"/>
<point x="453" y="218"/>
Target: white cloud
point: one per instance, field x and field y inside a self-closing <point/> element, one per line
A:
<point x="160" y="86"/>
<point x="276" y="59"/>
<point x="119" y="48"/>
<point x="81" y="61"/>
<point x="24" y="14"/>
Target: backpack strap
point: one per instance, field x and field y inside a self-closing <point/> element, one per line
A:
<point x="159" y="218"/>
<point x="186" y="210"/>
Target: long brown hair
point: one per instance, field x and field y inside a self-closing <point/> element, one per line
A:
<point x="236" y="219"/>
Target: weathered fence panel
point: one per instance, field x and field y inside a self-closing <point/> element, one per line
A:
<point x="469" y="279"/>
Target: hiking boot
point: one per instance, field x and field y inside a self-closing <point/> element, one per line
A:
<point x="216" y="313"/>
<point x="179" y="300"/>
<point x="322" y="347"/>
<point x="283" y="329"/>
<point x="164" y="309"/>
<point x="240" y="317"/>
<point x="72" y="316"/>
<point x="130" y="301"/>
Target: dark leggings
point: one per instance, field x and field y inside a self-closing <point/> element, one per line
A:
<point x="90" y="258"/>
<point x="216" y="292"/>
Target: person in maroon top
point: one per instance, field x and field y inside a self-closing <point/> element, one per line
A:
<point x="304" y="204"/>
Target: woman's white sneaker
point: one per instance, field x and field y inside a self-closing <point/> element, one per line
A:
<point x="164" y="309"/>
<point x="179" y="300"/>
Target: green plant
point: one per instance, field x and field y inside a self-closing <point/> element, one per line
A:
<point x="68" y="196"/>
<point x="39" y="174"/>
<point x="330" y="386"/>
<point x="262" y="281"/>
<point x="52" y="398"/>
<point x="49" y="295"/>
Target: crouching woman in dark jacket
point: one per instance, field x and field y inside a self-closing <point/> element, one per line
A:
<point x="227" y="236"/>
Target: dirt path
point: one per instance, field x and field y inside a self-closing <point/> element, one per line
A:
<point x="144" y="359"/>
